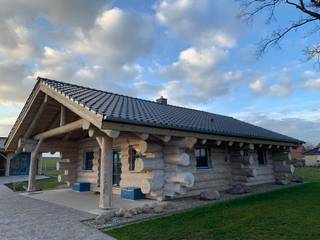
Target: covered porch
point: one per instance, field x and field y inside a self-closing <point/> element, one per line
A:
<point x="85" y="201"/>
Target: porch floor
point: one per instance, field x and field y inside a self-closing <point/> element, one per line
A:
<point x="84" y="201"/>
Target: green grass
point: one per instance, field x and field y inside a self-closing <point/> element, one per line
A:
<point x="48" y="169"/>
<point x="310" y="174"/>
<point x="288" y="214"/>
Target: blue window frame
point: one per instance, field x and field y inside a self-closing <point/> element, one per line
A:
<point x="88" y="161"/>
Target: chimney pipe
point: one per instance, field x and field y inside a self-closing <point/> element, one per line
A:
<point x="162" y="100"/>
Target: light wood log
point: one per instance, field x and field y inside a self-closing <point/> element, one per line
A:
<point x="33" y="167"/>
<point x="172" y="188"/>
<point x="145" y="164"/>
<point x="285" y="169"/>
<point x="111" y="133"/>
<point x="148" y="147"/>
<point x="218" y="143"/>
<point x="138" y="176"/>
<point x="64" y="129"/>
<point x="248" y="172"/>
<point x="60" y="166"/>
<point x="62" y="116"/>
<point x="148" y="185"/>
<point x="182" y="159"/>
<point x="143" y="136"/>
<point x="65" y="178"/>
<point x="164" y="138"/>
<point x="92" y="180"/>
<point x="186" y="142"/>
<point x="106" y="169"/>
<point x="185" y="179"/>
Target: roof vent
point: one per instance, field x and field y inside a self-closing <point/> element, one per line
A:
<point x="162" y="100"/>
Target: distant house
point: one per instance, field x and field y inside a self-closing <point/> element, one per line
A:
<point x="11" y="164"/>
<point x="111" y="142"/>
<point x="312" y="157"/>
<point x="297" y="153"/>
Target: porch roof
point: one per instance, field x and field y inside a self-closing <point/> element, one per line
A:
<point x="124" y="109"/>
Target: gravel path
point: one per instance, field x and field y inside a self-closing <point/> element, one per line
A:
<point x="26" y="218"/>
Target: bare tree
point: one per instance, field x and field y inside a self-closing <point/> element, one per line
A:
<point x="309" y="16"/>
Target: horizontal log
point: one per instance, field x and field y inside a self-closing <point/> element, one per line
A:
<point x="147" y="164"/>
<point x="185" y="179"/>
<point x="145" y="175"/>
<point x="182" y="159"/>
<point x="186" y="142"/>
<point x="79" y="124"/>
<point x="285" y="169"/>
<point x="248" y="172"/>
<point x="172" y="189"/>
<point x="148" y="185"/>
<point x="64" y="178"/>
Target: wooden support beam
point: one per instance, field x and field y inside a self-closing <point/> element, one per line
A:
<point x="203" y="141"/>
<point x="111" y="133"/>
<point x="36" y="118"/>
<point x="62" y="116"/>
<point x="163" y="138"/>
<point x="79" y="124"/>
<point x="143" y="136"/>
<point x="33" y="167"/>
<point x="93" y="131"/>
<point x="99" y="140"/>
<point x="106" y="170"/>
<point x="66" y="137"/>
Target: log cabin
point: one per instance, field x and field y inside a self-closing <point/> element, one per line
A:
<point x="113" y="141"/>
<point x="13" y="164"/>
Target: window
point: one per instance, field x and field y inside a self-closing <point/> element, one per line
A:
<point x="202" y="157"/>
<point x="132" y="159"/>
<point x="262" y="159"/>
<point x="116" y="174"/>
<point x="88" y="161"/>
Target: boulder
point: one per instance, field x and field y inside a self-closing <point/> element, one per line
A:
<point x="133" y="211"/>
<point x="146" y="209"/>
<point x="158" y="209"/>
<point x="139" y="210"/>
<point x="120" y="212"/>
<point x="282" y="181"/>
<point x="239" y="188"/>
<point x="105" y="217"/>
<point x="209" y="195"/>
<point x="127" y="214"/>
<point x="297" y="179"/>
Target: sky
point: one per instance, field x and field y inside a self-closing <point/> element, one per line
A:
<point x="196" y="53"/>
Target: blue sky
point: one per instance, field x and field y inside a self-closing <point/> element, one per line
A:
<point x="196" y="53"/>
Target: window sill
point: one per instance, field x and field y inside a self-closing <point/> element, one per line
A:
<point x="204" y="168"/>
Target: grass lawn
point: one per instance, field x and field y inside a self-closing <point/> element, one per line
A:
<point x="289" y="214"/>
<point x="48" y="169"/>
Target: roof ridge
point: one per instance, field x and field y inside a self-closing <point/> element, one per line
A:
<point x="131" y="97"/>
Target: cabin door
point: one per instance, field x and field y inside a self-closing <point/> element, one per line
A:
<point x="116" y="176"/>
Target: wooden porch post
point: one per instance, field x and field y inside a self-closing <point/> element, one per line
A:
<point x="8" y="158"/>
<point x="33" y="167"/>
<point x="106" y="173"/>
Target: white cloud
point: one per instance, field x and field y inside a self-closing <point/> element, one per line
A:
<point x="196" y="76"/>
<point x="117" y="38"/>
<point x="313" y="84"/>
<point x="304" y="129"/>
<point x="201" y="22"/>
<point x="278" y="84"/>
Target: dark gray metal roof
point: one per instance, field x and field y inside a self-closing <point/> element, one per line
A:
<point x="2" y="142"/>
<point x="119" y="108"/>
<point x="314" y="151"/>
